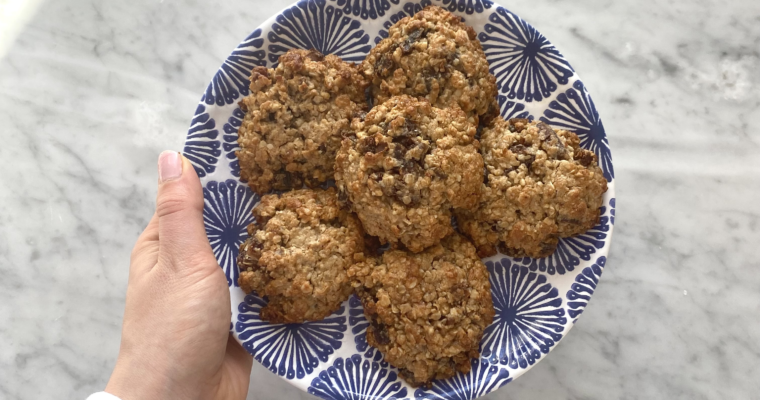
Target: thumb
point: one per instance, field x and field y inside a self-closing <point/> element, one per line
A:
<point x="179" y="207"/>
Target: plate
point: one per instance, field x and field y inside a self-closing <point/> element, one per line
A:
<point x="537" y="301"/>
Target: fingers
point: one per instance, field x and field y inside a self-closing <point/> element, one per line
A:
<point x="145" y="253"/>
<point x="179" y="207"/>
<point x="239" y="357"/>
<point x="237" y="366"/>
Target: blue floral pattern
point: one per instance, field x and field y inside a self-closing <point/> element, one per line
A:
<point x="467" y="6"/>
<point x="289" y="350"/>
<point x="408" y="9"/>
<point x="529" y="317"/>
<point x="527" y="67"/>
<point x="202" y="146"/>
<point x="584" y="286"/>
<point x="317" y="25"/>
<point x="229" y="139"/>
<point x="226" y="214"/>
<point x="612" y="211"/>
<point x="359" y="325"/>
<point x="575" y="111"/>
<point x="354" y="378"/>
<point x="570" y="251"/>
<point x="511" y="109"/>
<point x="366" y="9"/>
<point x="483" y="378"/>
<point x="231" y="81"/>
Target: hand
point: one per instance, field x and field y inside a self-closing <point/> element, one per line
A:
<point x="175" y="339"/>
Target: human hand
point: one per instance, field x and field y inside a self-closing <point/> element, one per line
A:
<point x="175" y="339"/>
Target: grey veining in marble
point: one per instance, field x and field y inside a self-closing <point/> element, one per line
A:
<point x="92" y="91"/>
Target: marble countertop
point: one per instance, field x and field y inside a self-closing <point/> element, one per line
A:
<point x="91" y="92"/>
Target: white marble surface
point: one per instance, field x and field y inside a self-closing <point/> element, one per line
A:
<point x="92" y="91"/>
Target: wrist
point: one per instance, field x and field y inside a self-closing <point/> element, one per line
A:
<point x="140" y="381"/>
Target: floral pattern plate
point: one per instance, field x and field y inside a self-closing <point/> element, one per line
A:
<point x="537" y="301"/>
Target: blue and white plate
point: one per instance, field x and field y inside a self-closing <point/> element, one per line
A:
<point x="537" y="300"/>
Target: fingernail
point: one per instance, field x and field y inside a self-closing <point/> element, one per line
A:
<point x="169" y="166"/>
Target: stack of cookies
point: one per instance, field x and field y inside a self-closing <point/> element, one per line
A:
<point x="413" y="139"/>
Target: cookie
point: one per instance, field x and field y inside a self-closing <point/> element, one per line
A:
<point x="432" y="54"/>
<point x="406" y="167"/>
<point x="294" y="118"/>
<point x="426" y="311"/>
<point x="299" y="249"/>
<point x="539" y="185"/>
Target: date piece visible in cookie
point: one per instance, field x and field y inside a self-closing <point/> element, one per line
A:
<point x="299" y="250"/>
<point x="433" y="54"/>
<point x="294" y="118"/>
<point x="539" y="186"/>
<point x="427" y="311"/>
<point x="406" y="166"/>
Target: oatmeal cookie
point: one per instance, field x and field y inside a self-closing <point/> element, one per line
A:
<point x="539" y="186"/>
<point x="427" y="311"/>
<point x="432" y="54"/>
<point x="406" y="166"/>
<point x="294" y="118"/>
<point x="299" y="249"/>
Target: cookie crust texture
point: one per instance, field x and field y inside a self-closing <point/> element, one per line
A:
<point x="539" y="186"/>
<point x="298" y="253"/>
<point x="427" y="311"/>
<point x="406" y="167"/>
<point x="434" y="55"/>
<point x="294" y="119"/>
